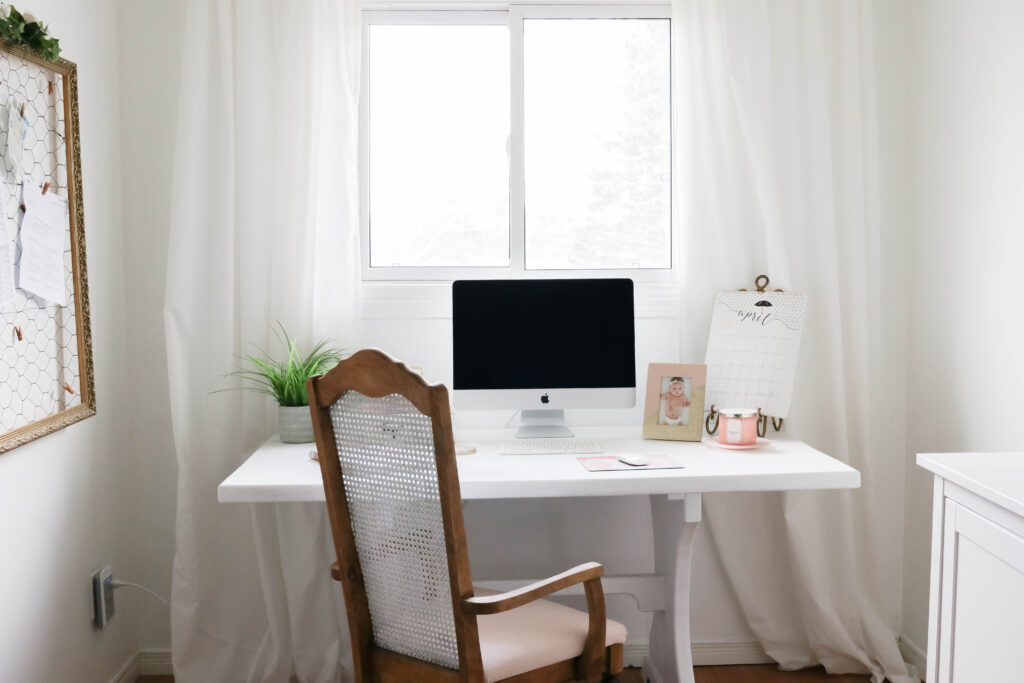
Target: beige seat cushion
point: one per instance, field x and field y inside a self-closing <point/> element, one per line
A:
<point x="534" y="635"/>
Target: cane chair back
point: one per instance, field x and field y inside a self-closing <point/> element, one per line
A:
<point x="386" y="451"/>
<point x="388" y="462"/>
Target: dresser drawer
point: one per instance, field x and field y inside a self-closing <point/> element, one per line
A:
<point x="982" y="602"/>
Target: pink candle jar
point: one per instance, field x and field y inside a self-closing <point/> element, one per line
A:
<point x="737" y="427"/>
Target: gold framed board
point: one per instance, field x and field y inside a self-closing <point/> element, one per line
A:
<point x="46" y="364"/>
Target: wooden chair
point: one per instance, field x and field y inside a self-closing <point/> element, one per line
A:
<point x="388" y="461"/>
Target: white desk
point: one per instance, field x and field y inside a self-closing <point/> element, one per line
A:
<point x="284" y="473"/>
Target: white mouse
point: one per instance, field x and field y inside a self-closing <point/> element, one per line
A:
<point x="634" y="459"/>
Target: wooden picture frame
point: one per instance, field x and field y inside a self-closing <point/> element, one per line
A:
<point x="45" y="348"/>
<point x="674" y="402"/>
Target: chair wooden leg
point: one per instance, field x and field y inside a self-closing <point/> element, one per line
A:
<point x="612" y="664"/>
<point x="613" y="659"/>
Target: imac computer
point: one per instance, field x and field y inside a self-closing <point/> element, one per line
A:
<point x="541" y="346"/>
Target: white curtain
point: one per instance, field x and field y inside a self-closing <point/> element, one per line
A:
<point x="778" y="157"/>
<point x="264" y="228"/>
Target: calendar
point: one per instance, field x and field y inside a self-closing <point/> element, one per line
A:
<point x="752" y="350"/>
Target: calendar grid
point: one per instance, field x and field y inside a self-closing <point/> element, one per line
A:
<point x="752" y="350"/>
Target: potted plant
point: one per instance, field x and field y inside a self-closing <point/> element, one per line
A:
<point x="285" y="380"/>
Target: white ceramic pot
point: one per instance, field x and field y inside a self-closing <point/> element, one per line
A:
<point x="295" y="424"/>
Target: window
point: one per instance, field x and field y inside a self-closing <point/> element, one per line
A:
<point x="438" y="138"/>
<point x="532" y="141"/>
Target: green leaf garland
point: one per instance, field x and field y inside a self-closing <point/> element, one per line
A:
<point x="25" y="29"/>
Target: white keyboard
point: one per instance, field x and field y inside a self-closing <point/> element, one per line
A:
<point x="541" y="446"/>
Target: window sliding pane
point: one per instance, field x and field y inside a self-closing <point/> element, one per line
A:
<point x="597" y="143"/>
<point x="438" y="145"/>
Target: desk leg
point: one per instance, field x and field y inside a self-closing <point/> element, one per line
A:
<point x="675" y="518"/>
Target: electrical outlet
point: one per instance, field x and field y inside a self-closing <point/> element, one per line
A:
<point x="102" y="596"/>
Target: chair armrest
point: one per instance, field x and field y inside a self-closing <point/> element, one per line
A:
<point x="492" y="604"/>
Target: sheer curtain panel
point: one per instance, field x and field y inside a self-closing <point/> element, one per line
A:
<point x="777" y="151"/>
<point x="264" y="228"/>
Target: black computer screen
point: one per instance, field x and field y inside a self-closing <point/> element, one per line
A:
<point x="543" y="334"/>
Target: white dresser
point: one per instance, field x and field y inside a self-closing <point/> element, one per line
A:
<point x="976" y="607"/>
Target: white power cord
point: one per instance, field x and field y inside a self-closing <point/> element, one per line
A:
<point x="116" y="583"/>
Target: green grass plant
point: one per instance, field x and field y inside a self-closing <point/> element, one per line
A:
<point x="286" y="380"/>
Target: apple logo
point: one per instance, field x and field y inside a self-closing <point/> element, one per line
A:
<point x="544" y="399"/>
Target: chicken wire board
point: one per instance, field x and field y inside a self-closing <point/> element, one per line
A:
<point x="46" y="369"/>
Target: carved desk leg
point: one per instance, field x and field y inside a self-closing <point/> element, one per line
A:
<point x="675" y="518"/>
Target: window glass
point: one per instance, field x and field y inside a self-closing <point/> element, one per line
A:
<point x="438" y="145"/>
<point x="597" y="143"/>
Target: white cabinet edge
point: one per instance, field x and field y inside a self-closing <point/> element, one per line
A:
<point x="998" y="477"/>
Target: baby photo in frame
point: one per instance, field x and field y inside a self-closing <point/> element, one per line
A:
<point x="674" y="403"/>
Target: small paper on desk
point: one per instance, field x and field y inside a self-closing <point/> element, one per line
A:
<point x="608" y="463"/>
<point x="41" y="268"/>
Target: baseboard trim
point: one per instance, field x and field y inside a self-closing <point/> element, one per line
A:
<point x="128" y="672"/>
<point x="633" y="653"/>
<point x="716" y="654"/>
<point x="914" y="656"/>
<point x="704" y="654"/>
<point x="155" y="662"/>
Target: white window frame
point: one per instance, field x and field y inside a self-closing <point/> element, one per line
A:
<point x="511" y="15"/>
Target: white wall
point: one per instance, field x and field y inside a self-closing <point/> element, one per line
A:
<point x="150" y="69"/>
<point x="966" y="366"/>
<point x="890" y="32"/>
<point x="65" y="500"/>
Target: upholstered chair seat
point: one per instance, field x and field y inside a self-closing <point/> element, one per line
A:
<point x="533" y="636"/>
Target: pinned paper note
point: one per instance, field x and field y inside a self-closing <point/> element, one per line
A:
<point x="41" y="267"/>
<point x="6" y="254"/>
<point x="16" y="129"/>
